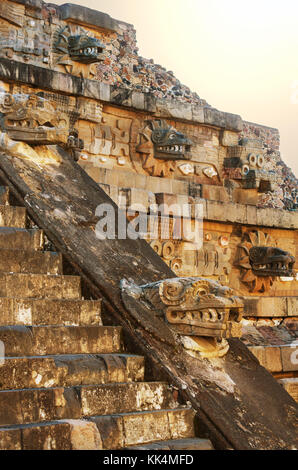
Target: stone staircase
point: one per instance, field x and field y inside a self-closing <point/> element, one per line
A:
<point x="66" y="381"/>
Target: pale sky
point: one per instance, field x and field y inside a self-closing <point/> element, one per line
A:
<point x="241" y="57"/>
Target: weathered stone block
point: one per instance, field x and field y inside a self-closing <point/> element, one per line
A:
<point x="291" y="386"/>
<point x="38" y="4"/>
<point x="138" y="100"/>
<point x="233" y="122"/>
<point x="49" y="312"/>
<point x="10" y="439"/>
<point x="124" y="398"/>
<point x="69" y="371"/>
<point x="39" y="286"/>
<point x="246" y="196"/>
<point x="136" y="199"/>
<point x="54" y="436"/>
<point x="269" y="357"/>
<point x="214" y="117"/>
<point x="229" y="139"/>
<point x="251" y="214"/>
<point x="43" y="341"/>
<point x="151" y="427"/>
<point x="87" y="17"/>
<point x="133" y="429"/>
<point x="35" y="262"/>
<point x="182" y="424"/>
<point x="214" y="193"/>
<point x="34" y="406"/>
<point x="292" y="306"/>
<point x="226" y="212"/>
<point x="265" y="307"/>
<point x="173" y="109"/>
<point x="21" y="239"/>
<point x="84" y="435"/>
<point x="198" y="114"/>
<point x="289" y="356"/>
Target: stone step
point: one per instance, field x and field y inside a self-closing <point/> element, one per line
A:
<point x="13" y="216"/>
<point x="177" y="444"/>
<point x="30" y="262"/>
<point x="20" y="341"/>
<point x="291" y="386"/>
<point x="45" y="312"/>
<point x="100" y="433"/>
<point x="70" y="371"/>
<point x="125" y="397"/>
<point x="58" y="435"/>
<point x="21" y="239"/>
<point x="29" y="406"/>
<point x="4" y="196"/>
<point x="132" y="429"/>
<point x="40" y="286"/>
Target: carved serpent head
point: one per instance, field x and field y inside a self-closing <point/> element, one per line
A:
<point x="33" y="119"/>
<point x="85" y="49"/>
<point x="271" y="261"/>
<point x="195" y="306"/>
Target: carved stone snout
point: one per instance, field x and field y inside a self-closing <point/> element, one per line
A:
<point x="195" y="308"/>
<point x="33" y="119"/>
<point x="271" y="261"/>
<point x="85" y="49"/>
<point x="169" y="144"/>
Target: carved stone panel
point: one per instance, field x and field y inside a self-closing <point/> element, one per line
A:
<point x="160" y="146"/>
<point x="261" y="261"/>
<point x="200" y="311"/>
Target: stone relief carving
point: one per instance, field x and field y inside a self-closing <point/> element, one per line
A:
<point x="245" y="163"/>
<point x="74" y="145"/>
<point x="73" y="48"/>
<point x="33" y="119"/>
<point x="260" y="261"/>
<point x="201" y="312"/>
<point x="36" y="120"/>
<point x="109" y="138"/>
<point x="213" y="259"/>
<point x="161" y="145"/>
<point x="12" y="13"/>
<point x="24" y="38"/>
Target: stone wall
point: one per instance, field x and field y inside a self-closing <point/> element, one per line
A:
<point x="35" y="40"/>
<point x="122" y="66"/>
<point x="285" y="194"/>
<point x="71" y="77"/>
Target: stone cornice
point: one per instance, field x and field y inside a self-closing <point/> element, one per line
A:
<point x="40" y="77"/>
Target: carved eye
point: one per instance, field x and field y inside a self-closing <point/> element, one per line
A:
<point x="252" y="159"/>
<point x="260" y="162"/>
<point x="202" y="292"/>
<point x="245" y="170"/>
